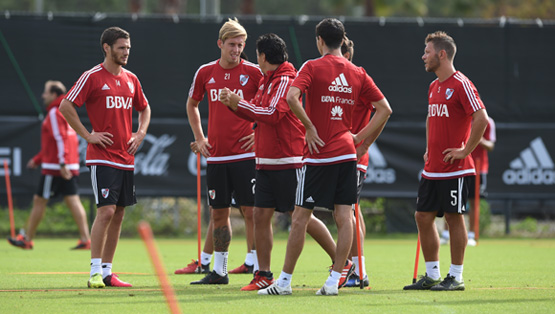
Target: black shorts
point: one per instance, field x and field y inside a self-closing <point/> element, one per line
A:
<point x="276" y="189"/>
<point x="443" y="196"/>
<point x="472" y="185"/>
<point x="234" y="179"/>
<point x="326" y="186"/>
<point x="51" y="186"/>
<point x="361" y="175"/>
<point x="113" y="186"/>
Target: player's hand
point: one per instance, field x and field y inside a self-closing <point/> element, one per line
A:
<point x="100" y="138"/>
<point x="425" y="156"/>
<point x="452" y="154"/>
<point x="313" y="140"/>
<point x="361" y="151"/>
<point x="66" y="173"/>
<point x="356" y="140"/>
<point x="201" y="146"/>
<point x="134" y="142"/>
<point x="229" y="98"/>
<point x="249" y="142"/>
<point x="31" y="164"/>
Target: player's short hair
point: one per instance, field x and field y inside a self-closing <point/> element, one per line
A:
<point x="331" y="31"/>
<point x="56" y="87"/>
<point x="273" y="47"/>
<point x="442" y="41"/>
<point x="111" y="35"/>
<point x="348" y="46"/>
<point x="232" y="29"/>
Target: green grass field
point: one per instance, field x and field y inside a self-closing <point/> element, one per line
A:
<point x="516" y="276"/>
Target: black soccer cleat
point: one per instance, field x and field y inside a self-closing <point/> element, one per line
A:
<point x="449" y="284"/>
<point x="425" y="283"/>
<point x="212" y="279"/>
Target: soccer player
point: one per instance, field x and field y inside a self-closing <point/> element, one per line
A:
<point x="361" y="116"/>
<point x="279" y="144"/>
<point x="231" y="166"/>
<point x="486" y="145"/>
<point x="332" y="85"/>
<point x="110" y="93"/>
<point x="455" y="124"/>
<point x="59" y="160"/>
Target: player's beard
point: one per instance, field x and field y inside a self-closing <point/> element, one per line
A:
<point x="433" y="64"/>
<point x="118" y="59"/>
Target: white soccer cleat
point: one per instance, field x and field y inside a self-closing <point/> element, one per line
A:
<point x="328" y="290"/>
<point x="471" y="242"/>
<point x="274" y="289"/>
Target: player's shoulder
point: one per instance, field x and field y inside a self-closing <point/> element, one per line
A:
<point x="461" y="79"/>
<point x="434" y="82"/>
<point x="129" y="73"/>
<point x="251" y="66"/>
<point x="94" y="71"/>
<point x="207" y="67"/>
<point x="310" y="62"/>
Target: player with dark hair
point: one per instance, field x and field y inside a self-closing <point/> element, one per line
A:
<point x="328" y="178"/>
<point x="455" y="124"/>
<point x="110" y="93"/>
<point x="59" y="160"/>
<point x="279" y="143"/>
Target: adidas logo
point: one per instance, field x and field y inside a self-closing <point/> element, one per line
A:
<point x="534" y="166"/>
<point x="378" y="172"/>
<point x="340" y="85"/>
<point x="105" y="87"/>
<point x="212" y="81"/>
<point x="309" y="200"/>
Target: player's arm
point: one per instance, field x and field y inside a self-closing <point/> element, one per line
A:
<point x="312" y="139"/>
<point x="67" y="108"/>
<point x="376" y="124"/>
<point x="193" y="115"/>
<point x="487" y="144"/>
<point x="138" y="137"/>
<point x="249" y="110"/>
<point x="479" y="123"/>
<point x="363" y="148"/>
<point x="426" y="153"/>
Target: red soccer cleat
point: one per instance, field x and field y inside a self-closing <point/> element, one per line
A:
<point x="243" y="269"/>
<point x="21" y="242"/>
<point x="259" y="282"/>
<point x="192" y="268"/>
<point x="348" y="270"/>
<point x="113" y="281"/>
<point x="82" y="245"/>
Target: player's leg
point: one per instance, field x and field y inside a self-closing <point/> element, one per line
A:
<point x="320" y="233"/>
<point x="205" y="254"/>
<point x="37" y="213"/>
<point x="99" y="232"/>
<point x="77" y="210"/>
<point x="296" y="240"/>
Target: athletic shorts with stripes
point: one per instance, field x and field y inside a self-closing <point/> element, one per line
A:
<point x="51" y="186"/>
<point x="276" y="189"/>
<point x="443" y="196"/>
<point x="113" y="186"/>
<point x="234" y="179"/>
<point x="361" y="175"/>
<point x="326" y="186"/>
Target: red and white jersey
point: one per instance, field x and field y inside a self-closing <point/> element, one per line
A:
<point x="279" y="135"/>
<point x="59" y="143"/>
<point x="333" y="85"/>
<point x="110" y="99"/>
<point x="451" y="105"/>
<point x="225" y="128"/>
<point x="481" y="152"/>
<point x="361" y="117"/>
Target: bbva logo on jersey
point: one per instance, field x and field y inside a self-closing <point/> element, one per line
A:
<point x="118" y="102"/>
<point x="215" y="93"/>
<point x="438" y="110"/>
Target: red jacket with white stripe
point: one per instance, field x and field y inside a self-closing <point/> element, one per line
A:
<point x="59" y="143"/>
<point x="279" y="135"/>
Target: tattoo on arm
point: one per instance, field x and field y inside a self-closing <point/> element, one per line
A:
<point x="222" y="238"/>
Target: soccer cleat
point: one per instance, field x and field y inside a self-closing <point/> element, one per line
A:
<point x="113" y="281"/>
<point x="243" y="269"/>
<point x="354" y="281"/>
<point x="274" y="289"/>
<point x="425" y="283"/>
<point x="82" y="245"/>
<point x="192" y="268"/>
<point x="96" y="281"/>
<point x="328" y="290"/>
<point x="348" y="270"/>
<point x="21" y="242"/>
<point x="259" y="282"/>
<point x="212" y="279"/>
<point x="471" y="242"/>
<point x="449" y="284"/>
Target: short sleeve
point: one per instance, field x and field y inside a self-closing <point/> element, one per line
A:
<point x="197" y="89"/>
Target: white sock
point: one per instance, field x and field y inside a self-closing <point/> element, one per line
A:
<point x="256" y="267"/>
<point x="96" y="266"/>
<point x="220" y="263"/>
<point x="284" y="279"/>
<point x="333" y="279"/>
<point x="205" y="258"/>
<point x="471" y="235"/>
<point x="456" y="271"/>
<point x="445" y="234"/>
<point x="249" y="259"/>
<point x="432" y="270"/>
<point x="106" y="269"/>
<point x="355" y="261"/>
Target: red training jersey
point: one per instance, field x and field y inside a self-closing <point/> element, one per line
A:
<point x="451" y="105"/>
<point x="333" y="85"/>
<point x="361" y="117"/>
<point x="59" y="143"/>
<point x="225" y="128"/>
<point x="481" y="152"/>
<point x="109" y="100"/>
<point x="279" y="135"/>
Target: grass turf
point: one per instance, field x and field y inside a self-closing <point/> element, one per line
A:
<point x="500" y="276"/>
